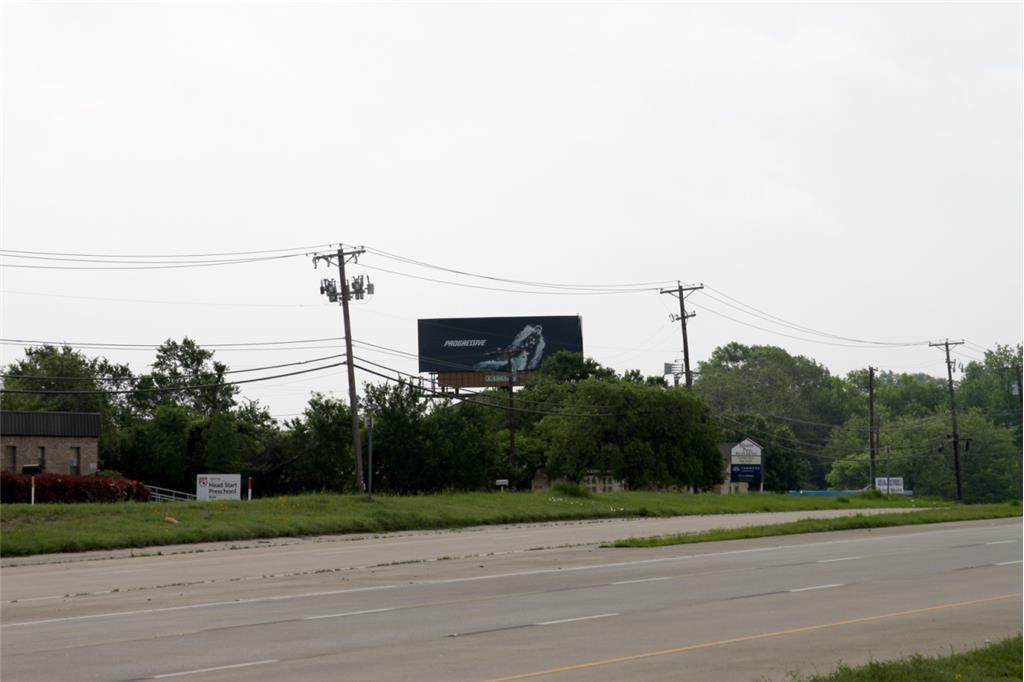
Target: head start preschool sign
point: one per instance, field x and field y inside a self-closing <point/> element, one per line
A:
<point x="219" y="487"/>
<point x="745" y="462"/>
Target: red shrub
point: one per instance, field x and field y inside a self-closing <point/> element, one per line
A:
<point x="70" y="488"/>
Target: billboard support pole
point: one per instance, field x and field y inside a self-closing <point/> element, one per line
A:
<point x="511" y="408"/>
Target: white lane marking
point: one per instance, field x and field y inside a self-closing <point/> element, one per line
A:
<point x="1008" y="563"/>
<point x="642" y="580"/>
<point x="347" y="613"/>
<point x="205" y="605"/>
<point x="574" y="620"/>
<point x="115" y="571"/>
<point x="19" y="601"/>
<point x="816" y="587"/>
<point x="845" y="558"/>
<point x="207" y="670"/>
<point x="368" y="547"/>
<point x="1001" y="542"/>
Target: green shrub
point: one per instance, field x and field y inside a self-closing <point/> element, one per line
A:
<point x="571" y="489"/>
<point x="69" y="488"/>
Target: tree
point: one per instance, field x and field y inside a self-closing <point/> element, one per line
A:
<point x="62" y="379"/>
<point x="784" y="462"/>
<point x="186" y="364"/>
<point x="566" y="366"/>
<point x="157" y="450"/>
<point x="647" y="436"/>
<point x="919" y="450"/>
<point x="465" y="448"/>
<point x="637" y="377"/>
<point x="402" y="461"/>
<point x="994" y="387"/>
<point x="900" y="395"/>
<point x="767" y="380"/>
<point x="320" y="447"/>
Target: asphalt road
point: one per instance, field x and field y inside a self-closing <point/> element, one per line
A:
<point x="741" y="610"/>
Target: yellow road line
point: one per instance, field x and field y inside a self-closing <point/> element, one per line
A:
<point x="748" y="638"/>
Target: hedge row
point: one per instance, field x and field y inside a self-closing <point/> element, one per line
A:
<point x="70" y="488"/>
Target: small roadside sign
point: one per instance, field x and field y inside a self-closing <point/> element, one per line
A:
<point x="745" y="461"/>
<point x="889" y="485"/>
<point x="219" y="487"/>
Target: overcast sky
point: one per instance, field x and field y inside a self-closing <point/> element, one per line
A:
<point x="851" y="169"/>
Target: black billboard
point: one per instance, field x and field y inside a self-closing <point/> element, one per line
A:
<point x="487" y="344"/>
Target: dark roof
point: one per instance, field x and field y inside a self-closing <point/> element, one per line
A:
<point x="69" y="424"/>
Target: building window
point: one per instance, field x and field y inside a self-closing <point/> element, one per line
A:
<point x="42" y="458"/>
<point x="75" y="463"/>
<point x="10" y="462"/>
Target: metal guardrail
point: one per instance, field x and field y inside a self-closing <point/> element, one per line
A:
<point x="157" y="494"/>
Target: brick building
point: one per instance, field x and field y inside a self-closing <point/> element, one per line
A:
<point x="56" y="442"/>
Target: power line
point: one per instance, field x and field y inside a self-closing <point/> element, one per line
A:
<point x="169" y="389"/>
<point x="419" y="380"/>
<point x="602" y="292"/>
<point x="451" y="396"/>
<point x="845" y="426"/>
<point x="196" y="264"/>
<point x="166" y="255"/>
<point x="853" y="456"/>
<point x="772" y="331"/>
<point x="778" y="320"/>
<point x="645" y="286"/>
<point x="8" y="375"/>
<point x="8" y="292"/>
<point x="83" y="344"/>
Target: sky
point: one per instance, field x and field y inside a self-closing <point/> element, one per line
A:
<point x="854" y="170"/>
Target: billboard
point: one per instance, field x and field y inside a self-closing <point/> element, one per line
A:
<point x="495" y="344"/>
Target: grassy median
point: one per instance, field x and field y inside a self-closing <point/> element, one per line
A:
<point x="999" y="661"/>
<point x="49" y="528"/>
<point x="954" y="513"/>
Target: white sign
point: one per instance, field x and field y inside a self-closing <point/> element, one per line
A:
<point x="501" y="483"/>
<point x="747" y="452"/>
<point x="219" y="487"/>
<point x="889" y="485"/>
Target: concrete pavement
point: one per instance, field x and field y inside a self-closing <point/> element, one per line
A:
<point x="738" y="610"/>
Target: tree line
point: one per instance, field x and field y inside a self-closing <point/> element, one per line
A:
<point x="186" y="416"/>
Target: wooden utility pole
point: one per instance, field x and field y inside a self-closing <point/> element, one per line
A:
<point x="952" y="412"/>
<point x="329" y="288"/>
<point x="680" y="292"/>
<point x="872" y="435"/>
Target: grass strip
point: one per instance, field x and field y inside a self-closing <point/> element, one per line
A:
<point x="956" y="513"/>
<point x="49" y="528"/>
<point x="998" y="661"/>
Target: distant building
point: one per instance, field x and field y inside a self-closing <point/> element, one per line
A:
<point x="595" y="480"/>
<point x="51" y="442"/>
